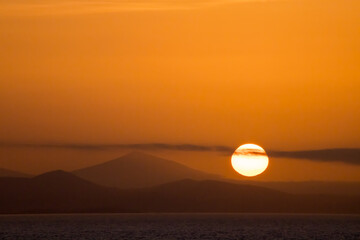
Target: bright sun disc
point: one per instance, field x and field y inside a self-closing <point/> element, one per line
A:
<point x="249" y="160"/>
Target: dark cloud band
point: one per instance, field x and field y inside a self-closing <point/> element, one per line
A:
<point x="345" y="155"/>
<point x="349" y="156"/>
<point x="137" y="146"/>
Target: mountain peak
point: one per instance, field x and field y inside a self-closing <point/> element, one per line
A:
<point x="60" y="178"/>
<point x="138" y="169"/>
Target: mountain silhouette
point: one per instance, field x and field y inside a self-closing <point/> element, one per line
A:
<point x="57" y="191"/>
<point x="10" y="173"/>
<point x="137" y="170"/>
<point x="63" y="192"/>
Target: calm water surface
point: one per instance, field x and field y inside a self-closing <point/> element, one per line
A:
<point x="179" y="226"/>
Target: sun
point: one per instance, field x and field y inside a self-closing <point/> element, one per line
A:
<point x="249" y="160"/>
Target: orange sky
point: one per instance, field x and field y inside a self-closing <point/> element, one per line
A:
<point x="283" y="74"/>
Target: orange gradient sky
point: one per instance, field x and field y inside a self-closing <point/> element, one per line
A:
<point x="281" y="74"/>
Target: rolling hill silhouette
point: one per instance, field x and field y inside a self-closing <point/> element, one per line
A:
<point x="57" y="191"/>
<point x="201" y="196"/>
<point x="217" y="196"/>
<point x="62" y="192"/>
<point x="311" y="187"/>
<point x="10" y="173"/>
<point x="138" y="170"/>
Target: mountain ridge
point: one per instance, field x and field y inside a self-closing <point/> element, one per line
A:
<point x="12" y="173"/>
<point x="138" y="170"/>
<point x="63" y="192"/>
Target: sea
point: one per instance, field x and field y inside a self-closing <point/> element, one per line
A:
<point x="179" y="226"/>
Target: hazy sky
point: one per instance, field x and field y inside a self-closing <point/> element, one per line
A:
<point x="282" y="74"/>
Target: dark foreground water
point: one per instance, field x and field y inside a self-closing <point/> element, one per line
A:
<point x="179" y="226"/>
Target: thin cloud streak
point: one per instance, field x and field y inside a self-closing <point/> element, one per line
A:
<point x="90" y="7"/>
<point x="344" y="155"/>
<point x="136" y="146"/>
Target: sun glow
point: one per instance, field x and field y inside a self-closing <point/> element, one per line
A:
<point x="249" y="160"/>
